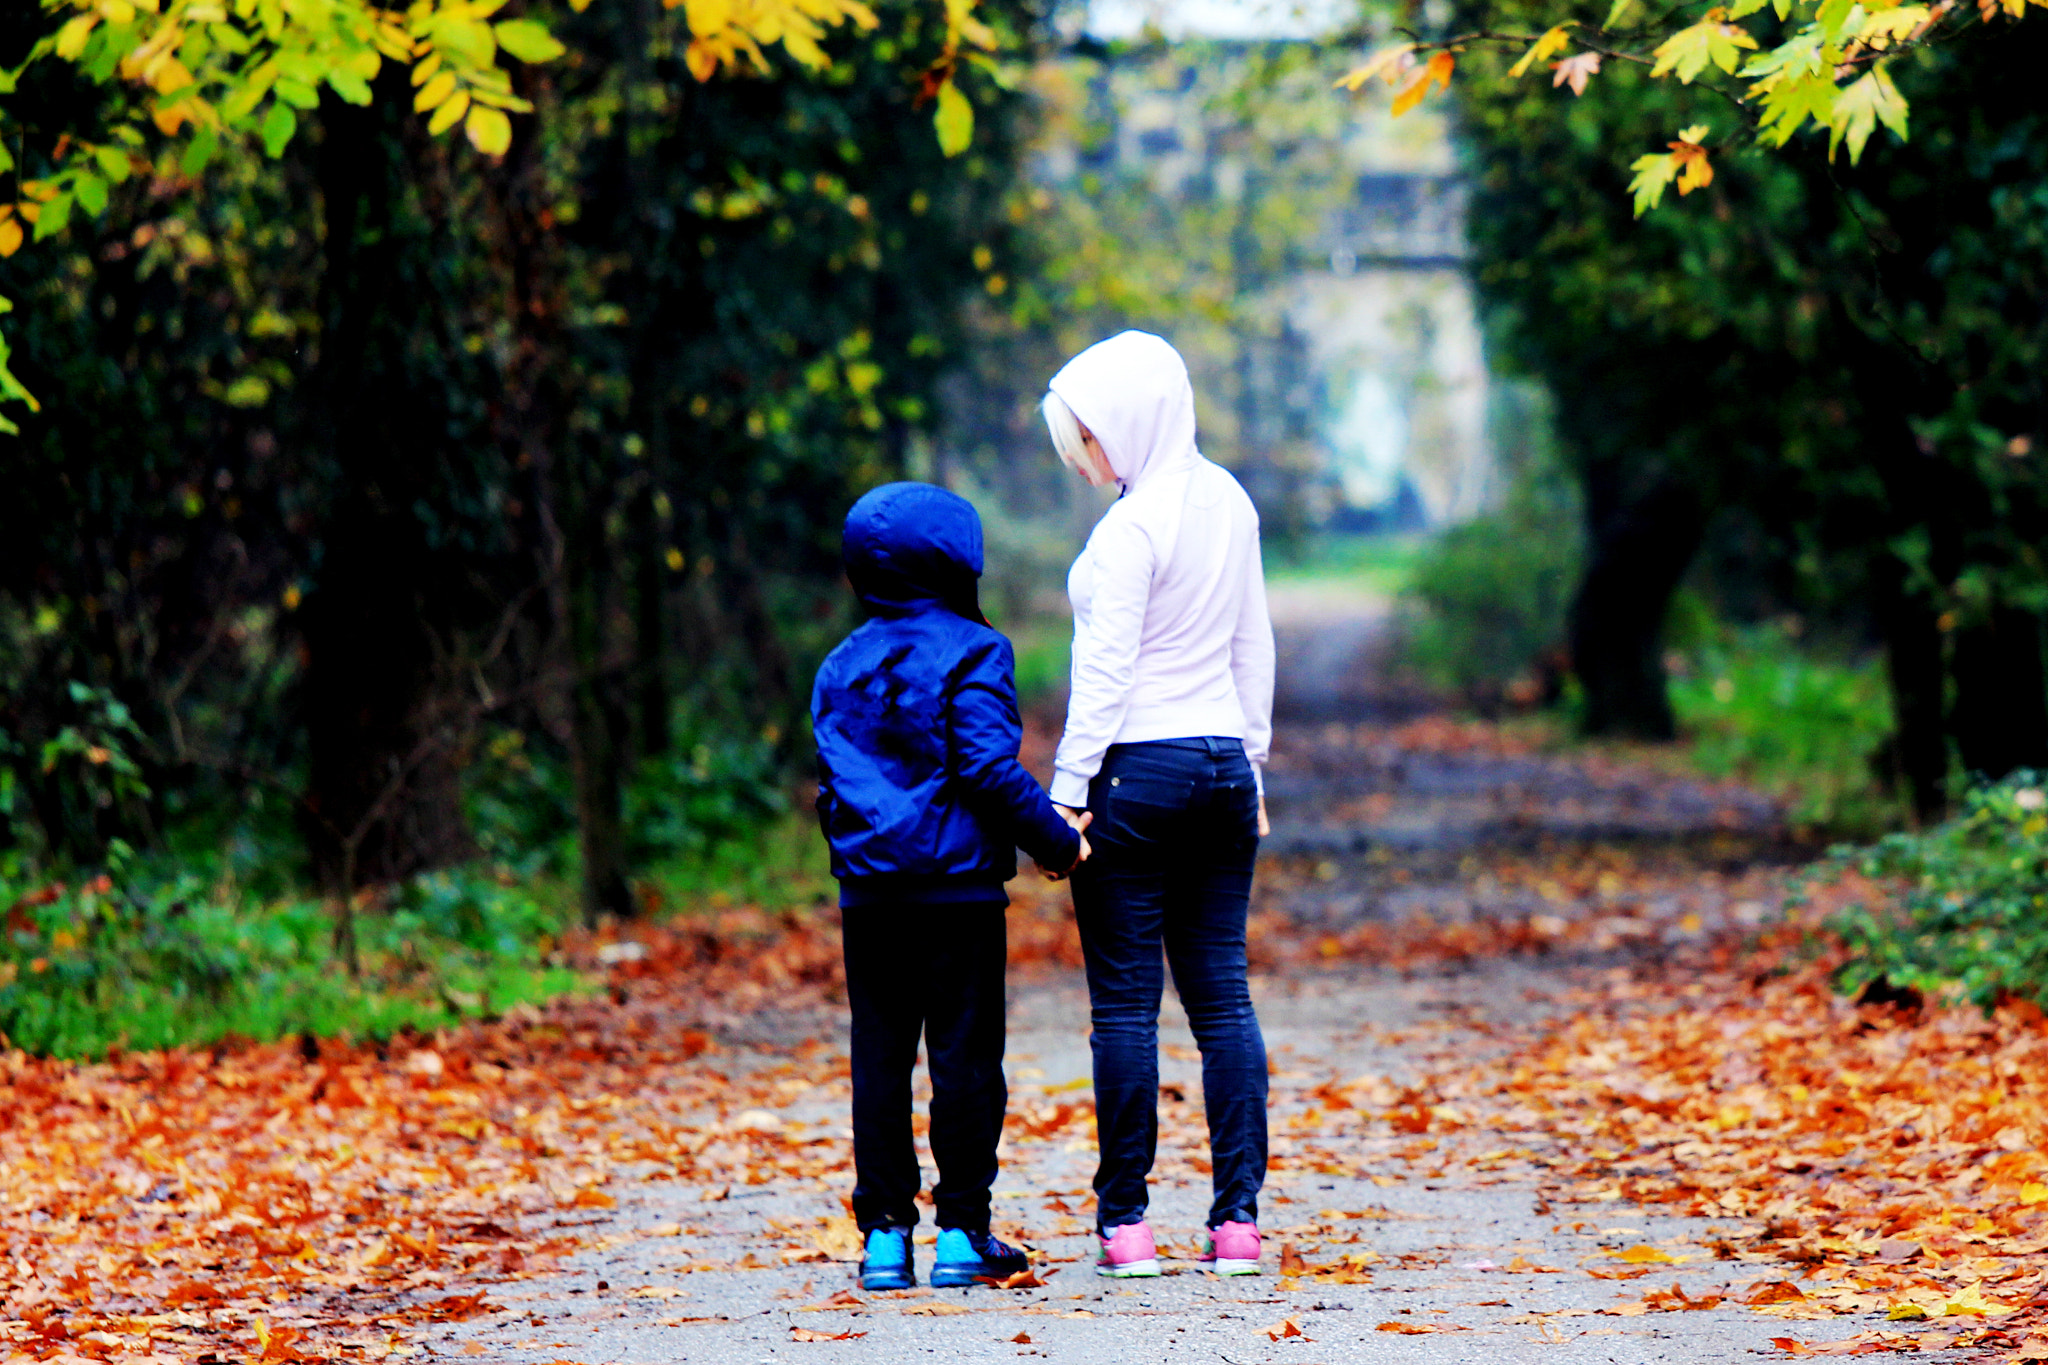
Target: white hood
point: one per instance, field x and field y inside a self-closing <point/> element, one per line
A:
<point x="1133" y="392"/>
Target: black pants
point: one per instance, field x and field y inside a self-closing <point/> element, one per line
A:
<point x="935" y="970"/>
<point x="1175" y="837"/>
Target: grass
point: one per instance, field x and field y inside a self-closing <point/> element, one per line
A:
<point x="1383" y="565"/>
<point x="173" y="962"/>
<point x="1757" y="704"/>
<point x="177" y="949"/>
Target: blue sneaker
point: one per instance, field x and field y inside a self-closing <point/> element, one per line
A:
<point x="965" y="1257"/>
<point x="887" y="1263"/>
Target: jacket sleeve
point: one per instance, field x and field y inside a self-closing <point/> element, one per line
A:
<point x="1122" y="562"/>
<point x="986" y="734"/>
<point x="1251" y="666"/>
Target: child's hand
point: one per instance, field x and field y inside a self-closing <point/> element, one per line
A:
<point x="1078" y="821"/>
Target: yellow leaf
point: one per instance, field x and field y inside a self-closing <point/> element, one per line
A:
<point x="434" y="93"/>
<point x="10" y="237"/>
<point x="490" y="132"/>
<point x="1388" y="64"/>
<point x="1542" y="48"/>
<point x="1905" y="1312"/>
<point x="708" y="18"/>
<point x="449" y="114"/>
<point x="2034" y="1192"/>
<point x="1437" y="71"/>
<point x="954" y="120"/>
<point x="423" y="70"/>
<point x="71" y="38"/>
<point x="701" y="59"/>
<point x="1644" y="1254"/>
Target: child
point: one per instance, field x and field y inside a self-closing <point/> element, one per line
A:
<point x="924" y="804"/>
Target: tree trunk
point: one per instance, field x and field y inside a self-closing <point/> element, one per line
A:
<point x="1913" y="666"/>
<point x="1642" y="534"/>
<point x="384" y="785"/>
<point x="2000" y="719"/>
<point x="594" y="715"/>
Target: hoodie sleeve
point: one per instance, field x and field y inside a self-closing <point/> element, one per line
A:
<point x="986" y="734"/>
<point x="1121" y="565"/>
<point x="1251" y="667"/>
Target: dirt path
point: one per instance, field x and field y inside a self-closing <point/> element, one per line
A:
<point x="1437" y="842"/>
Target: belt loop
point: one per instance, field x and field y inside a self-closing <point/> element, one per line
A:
<point x="1214" y="747"/>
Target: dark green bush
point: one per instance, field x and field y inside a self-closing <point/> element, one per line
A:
<point x="1488" y="598"/>
<point x="1972" y="914"/>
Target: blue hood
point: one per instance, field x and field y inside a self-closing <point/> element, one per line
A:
<point x="910" y="546"/>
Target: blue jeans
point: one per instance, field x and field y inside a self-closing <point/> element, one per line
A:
<point x="1175" y="837"/>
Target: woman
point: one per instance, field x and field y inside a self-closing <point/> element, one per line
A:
<point x="1168" y="724"/>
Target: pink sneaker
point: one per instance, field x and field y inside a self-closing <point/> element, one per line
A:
<point x="1128" y="1253"/>
<point x="1232" y="1249"/>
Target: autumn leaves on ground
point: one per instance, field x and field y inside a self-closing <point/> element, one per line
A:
<point x="1873" y="1171"/>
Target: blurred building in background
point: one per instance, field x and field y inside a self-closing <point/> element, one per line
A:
<point x="1337" y="347"/>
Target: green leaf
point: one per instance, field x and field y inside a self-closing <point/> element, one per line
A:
<point x="528" y="41"/>
<point x="1616" y="14"/>
<point x="954" y="120"/>
<point x="278" y="127"/>
<point x="1653" y="175"/>
<point x="298" y="94"/>
<point x="199" y="153"/>
<point x="113" y="163"/>
<point x="1859" y="108"/>
<point x="350" y="86"/>
<point x="1790" y="101"/>
<point x="1692" y="49"/>
<point x="470" y="40"/>
<point x="91" y="193"/>
<point x="56" y="215"/>
<point x="6" y="158"/>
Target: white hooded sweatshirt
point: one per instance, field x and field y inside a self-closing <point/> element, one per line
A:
<point x="1171" y="635"/>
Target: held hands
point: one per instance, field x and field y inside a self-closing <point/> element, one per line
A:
<point x="1078" y="820"/>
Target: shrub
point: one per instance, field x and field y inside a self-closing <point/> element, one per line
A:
<point x="1487" y="603"/>
<point x="1972" y="912"/>
<point x="1795" y="720"/>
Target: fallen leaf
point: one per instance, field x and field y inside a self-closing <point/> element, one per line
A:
<point x="1644" y="1254"/>
<point x="1286" y="1327"/>
<point x="1022" y="1279"/>
<point x="806" y="1334"/>
<point x="1022" y="1339"/>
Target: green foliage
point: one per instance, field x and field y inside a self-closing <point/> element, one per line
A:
<point x="1378" y="565"/>
<point x="714" y="791"/>
<point x="1486" y="600"/>
<point x="1972" y="908"/>
<point x="1758" y="704"/>
<point x="178" y="962"/>
<point x="1489" y="599"/>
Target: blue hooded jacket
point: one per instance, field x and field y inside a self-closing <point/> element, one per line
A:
<point x="919" y="788"/>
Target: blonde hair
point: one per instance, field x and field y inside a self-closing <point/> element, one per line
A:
<point x="1067" y="441"/>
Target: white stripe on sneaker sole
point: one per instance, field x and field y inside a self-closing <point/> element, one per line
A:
<point x="1129" y="1270"/>
<point x="1224" y="1265"/>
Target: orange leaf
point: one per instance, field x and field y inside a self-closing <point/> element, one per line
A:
<point x="1287" y="1327"/>
<point x="806" y="1334"/>
<point x="1435" y="72"/>
<point x="1774" y="1291"/>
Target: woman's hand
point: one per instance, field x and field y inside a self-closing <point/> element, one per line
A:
<point x="1265" y="825"/>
